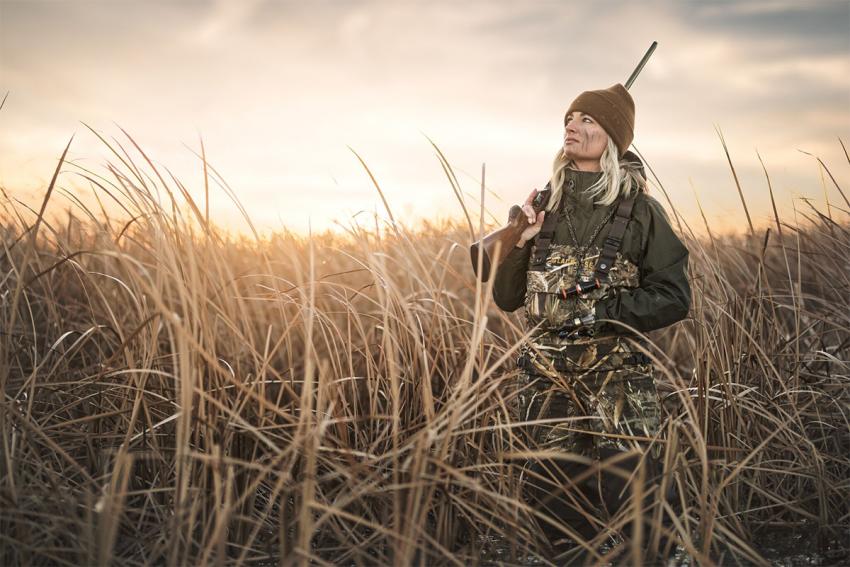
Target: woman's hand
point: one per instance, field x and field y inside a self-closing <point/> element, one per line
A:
<point x="535" y="220"/>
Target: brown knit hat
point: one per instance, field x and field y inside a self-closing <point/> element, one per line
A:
<point x="613" y="108"/>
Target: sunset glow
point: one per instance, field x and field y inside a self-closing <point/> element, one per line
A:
<point x="279" y="91"/>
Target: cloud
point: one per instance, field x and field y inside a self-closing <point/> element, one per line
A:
<point x="223" y="18"/>
<point x="804" y="28"/>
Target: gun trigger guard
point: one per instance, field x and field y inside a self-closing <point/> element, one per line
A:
<point x="541" y="199"/>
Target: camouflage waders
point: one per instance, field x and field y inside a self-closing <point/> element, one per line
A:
<point x="597" y="414"/>
<point x="595" y="394"/>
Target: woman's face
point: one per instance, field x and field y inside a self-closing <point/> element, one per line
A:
<point x="584" y="138"/>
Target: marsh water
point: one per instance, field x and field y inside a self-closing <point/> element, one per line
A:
<point x="780" y="547"/>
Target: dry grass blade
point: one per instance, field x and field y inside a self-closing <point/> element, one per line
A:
<point x="735" y="176"/>
<point x="834" y="182"/>
<point x="378" y="188"/>
<point x="450" y="174"/>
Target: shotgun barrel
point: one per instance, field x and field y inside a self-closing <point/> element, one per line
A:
<point x="640" y="65"/>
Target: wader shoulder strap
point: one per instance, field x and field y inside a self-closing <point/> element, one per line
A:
<point x="614" y="238"/>
<point x="544" y="238"/>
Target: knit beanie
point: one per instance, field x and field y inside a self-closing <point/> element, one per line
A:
<point x="613" y="108"/>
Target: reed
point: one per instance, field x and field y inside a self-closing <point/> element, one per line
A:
<point x="176" y="394"/>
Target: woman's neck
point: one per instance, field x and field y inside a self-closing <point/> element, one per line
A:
<point x="589" y="166"/>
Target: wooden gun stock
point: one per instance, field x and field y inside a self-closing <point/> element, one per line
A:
<point x="496" y="245"/>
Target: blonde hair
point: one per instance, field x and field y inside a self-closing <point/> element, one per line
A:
<point x="619" y="178"/>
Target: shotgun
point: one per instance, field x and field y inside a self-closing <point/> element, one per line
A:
<point x="496" y="245"/>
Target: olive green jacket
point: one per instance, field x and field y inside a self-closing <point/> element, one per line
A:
<point x="663" y="295"/>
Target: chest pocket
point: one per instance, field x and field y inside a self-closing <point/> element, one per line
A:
<point x="546" y="299"/>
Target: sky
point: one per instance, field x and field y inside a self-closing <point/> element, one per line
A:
<point x="283" y="93"/>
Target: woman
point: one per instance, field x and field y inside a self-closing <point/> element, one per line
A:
<point x="583" y="360"/>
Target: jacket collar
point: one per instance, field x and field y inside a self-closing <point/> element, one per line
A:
<point x="632" y="157"/>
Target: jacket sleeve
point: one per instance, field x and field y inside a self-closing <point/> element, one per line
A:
<point x="664" y="294"/>
<point x="510" y="280"/>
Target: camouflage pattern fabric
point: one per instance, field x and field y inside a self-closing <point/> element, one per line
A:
<point x="609" y="398"/>
<point x="609" y="407"/>
<point x="545" y="304"/>
<point x="574" y="375"/>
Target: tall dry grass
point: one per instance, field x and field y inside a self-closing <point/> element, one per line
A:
<point x="174" y="394"/>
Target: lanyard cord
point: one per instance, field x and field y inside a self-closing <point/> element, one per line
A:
<point x="582" y="250"/>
